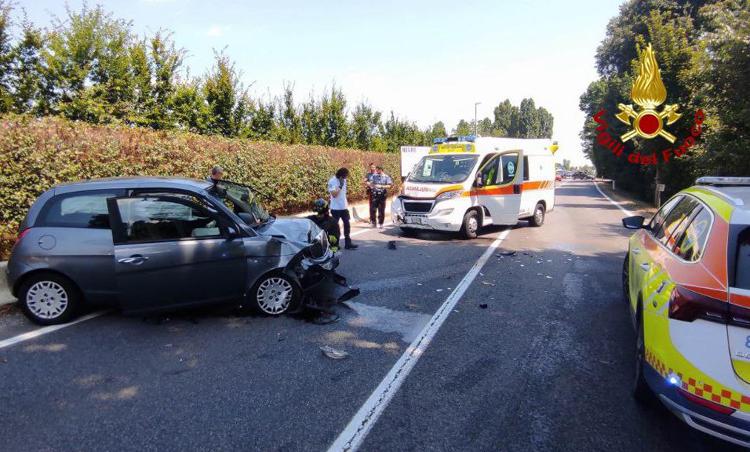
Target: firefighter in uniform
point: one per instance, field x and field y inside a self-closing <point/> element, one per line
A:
<point x="326" y="222"/>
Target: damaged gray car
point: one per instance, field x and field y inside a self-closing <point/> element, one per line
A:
<point x="145" y="244"/>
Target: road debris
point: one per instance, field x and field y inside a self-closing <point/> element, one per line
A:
<point x="483" y="305"/>
<point x="411" y="306"/>
<point x="392" y="245"/>
<point x="324" y="318"/>
<point x="507" y="253"/>
<point x="333" y="353"/>
<point x="438" y="290"/>
<point x="487" y="283"/>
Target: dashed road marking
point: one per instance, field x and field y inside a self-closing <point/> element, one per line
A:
<point x="356" y="431"/>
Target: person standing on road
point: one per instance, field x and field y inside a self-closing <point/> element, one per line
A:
<point x="339" y="209"/>
<point x="379" y="185"/>
<point x="372" y="170"/>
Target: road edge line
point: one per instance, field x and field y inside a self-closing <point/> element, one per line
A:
<point x="23" y="337"/>
<point x="626" y="211"/>
<point x="351" y="438"/>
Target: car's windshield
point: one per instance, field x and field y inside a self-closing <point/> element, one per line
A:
<point x="448" y="169"/>
<point x="242" y="200"/>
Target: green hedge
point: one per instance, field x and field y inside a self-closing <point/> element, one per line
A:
<point x="36" y="154"/>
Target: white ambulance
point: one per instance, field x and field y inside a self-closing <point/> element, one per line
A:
<point x="465" y="183"/>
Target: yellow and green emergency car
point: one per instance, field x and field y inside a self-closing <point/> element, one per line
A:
<point x="687" y="278"/>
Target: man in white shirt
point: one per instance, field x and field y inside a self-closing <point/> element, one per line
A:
<point x="339" y="208"/>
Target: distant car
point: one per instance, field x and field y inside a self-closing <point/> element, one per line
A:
<point x="686" y="277"/>
<point x="146" y="244"/>
<point x="558" y="177"/>
<point x="580" y="175"/>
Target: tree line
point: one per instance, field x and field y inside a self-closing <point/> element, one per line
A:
<point x="703" y="53"/>
<point x="90" y="66"/>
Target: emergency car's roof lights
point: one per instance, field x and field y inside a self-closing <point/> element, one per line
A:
<point x="439" y="140"/>
<point x="741" y="181"/>
<point x="454" y="138"/>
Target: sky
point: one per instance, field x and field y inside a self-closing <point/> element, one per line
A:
<point x="427" y="61"/>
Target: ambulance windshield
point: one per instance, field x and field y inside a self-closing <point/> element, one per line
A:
<point x="444" y="169"/>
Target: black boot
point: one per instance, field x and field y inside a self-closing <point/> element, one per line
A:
<point x="349" y="245"/>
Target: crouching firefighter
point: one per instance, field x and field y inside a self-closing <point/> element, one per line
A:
<point x="323" y="219"/>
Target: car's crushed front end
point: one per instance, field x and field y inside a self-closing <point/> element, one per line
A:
<point x="313" y="263"/>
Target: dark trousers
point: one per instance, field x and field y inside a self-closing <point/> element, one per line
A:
<point x="344" y="216"/>
<point x="377" y="205"/>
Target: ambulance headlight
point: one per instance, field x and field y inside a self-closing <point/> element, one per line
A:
<point x="449" y="195"/>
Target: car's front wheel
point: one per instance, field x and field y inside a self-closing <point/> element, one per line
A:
<point x="641" y="391"/>
<point x="49" y="299"/>
<point x="626" y="278"/>
<point x="471" y="224"/>
<point x="275" y="294"/>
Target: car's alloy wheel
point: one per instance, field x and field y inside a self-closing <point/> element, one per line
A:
<point x="641" y="391"/>
<point x="274" y="295"/>
<point x="49" y="299"/>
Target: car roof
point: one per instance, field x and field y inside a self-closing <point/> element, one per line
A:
<point x="731" y="202"/>
<point x="132" y="182"/>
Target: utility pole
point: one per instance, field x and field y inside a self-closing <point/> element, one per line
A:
<point x="475" y="117"/>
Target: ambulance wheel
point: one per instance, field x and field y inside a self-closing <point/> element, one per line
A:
<point x="537" y="219"/>
<point x="641" y="391"/>
<point x="471" y="225"/>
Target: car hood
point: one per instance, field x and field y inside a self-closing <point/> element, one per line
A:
<point x="298" y="230"/>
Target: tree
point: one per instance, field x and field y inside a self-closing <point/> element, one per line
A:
<point x="528" y="120"/>
<point x="486" y="128"/>
<point x="546" y="123"/>
<point x="463" y="128"/>
<point x="333" y="118"/>
<point x="365" y="126"/>
<point x="503" y="118"/>
<point x="189" y="107"/>
<point x="223" y="92"/>
<point x="437" y="130"/>
<point x="290" y="123"/>
<point x="27" y="72"/>
<point x="6" y="56"/>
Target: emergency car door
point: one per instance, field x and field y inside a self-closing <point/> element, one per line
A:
<point x="498" y="187"/>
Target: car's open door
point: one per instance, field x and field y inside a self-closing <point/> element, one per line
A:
<point x="498" y="187"/>
<point x="172" y="251"/>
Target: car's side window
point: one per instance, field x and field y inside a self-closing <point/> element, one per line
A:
<point x="692" y="243"/>
<point x="147" y="219"/>
<point x="658" y="220"/>
<point x="742" y="269"/>
<point x="490" y="172"/>
<point x="509" y="168"/>
<point x="78" y="210"/>
<point x="525" y="167"/>
<point x="674" y="219"/>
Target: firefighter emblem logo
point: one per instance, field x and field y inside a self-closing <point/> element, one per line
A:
<point x="648" y="92"/>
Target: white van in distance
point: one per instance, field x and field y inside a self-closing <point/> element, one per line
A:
<point x="466" y="183"/>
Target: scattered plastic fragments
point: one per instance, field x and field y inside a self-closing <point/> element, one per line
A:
<point x="333" y="353"/>
<point x="507" y="253"/>
<point x="392" y="245"/>
<point x="487" y="283"/>
<point x="483" y="305"/>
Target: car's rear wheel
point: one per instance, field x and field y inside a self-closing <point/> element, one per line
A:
<point x="537" y="219"/>
<point x="641" y="391"/>
<point x="470" y="226"/>
<point x="275" y="294"/>
<point x="49" y="299"/>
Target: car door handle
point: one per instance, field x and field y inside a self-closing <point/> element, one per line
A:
<point x="645" y="266"/>
<point x="136" y="259"/>
<point x="636" y="251"/>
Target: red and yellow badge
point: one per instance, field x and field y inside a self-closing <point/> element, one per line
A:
<point x="648" y="92"/>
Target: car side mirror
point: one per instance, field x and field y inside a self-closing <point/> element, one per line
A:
<point x="634" y="222"/>
<point x="232" y="233"/>
<point x="478" y="181"/>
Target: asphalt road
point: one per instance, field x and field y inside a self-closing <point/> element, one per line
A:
<point x="546" y="365"/>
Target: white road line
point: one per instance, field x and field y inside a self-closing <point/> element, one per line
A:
<point x="45" y="330"/>
<point x="626" y="211"/>
<point x="359" y="426"/>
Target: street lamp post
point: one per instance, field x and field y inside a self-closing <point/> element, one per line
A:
<point x="475" y="117"/>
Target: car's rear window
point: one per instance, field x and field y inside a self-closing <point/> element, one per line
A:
<point x="742" y="271"/>
<point x="77" y="210"/>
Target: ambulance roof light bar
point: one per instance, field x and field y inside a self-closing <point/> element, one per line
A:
<point x="723" y="181"/>
<point x="454" y="138"/>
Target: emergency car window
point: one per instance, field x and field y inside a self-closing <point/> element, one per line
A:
<point x="693" y="242"/>
<point x="742" y="271"/>
<point x="658" y="219"/>
<point x="490" y="172"/>
<point x="674" y="219"/>
<point x="509" y="166"/>
<point x="449" y="169"/>
<point x="525" y="167"/>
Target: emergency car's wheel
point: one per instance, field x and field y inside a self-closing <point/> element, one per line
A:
<point x="49" y="299"/>
<point x="537" y="219"/>
<point x="275" y="294"/>
<point x="641" y="391"/>
<point x="471" y="225"/>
